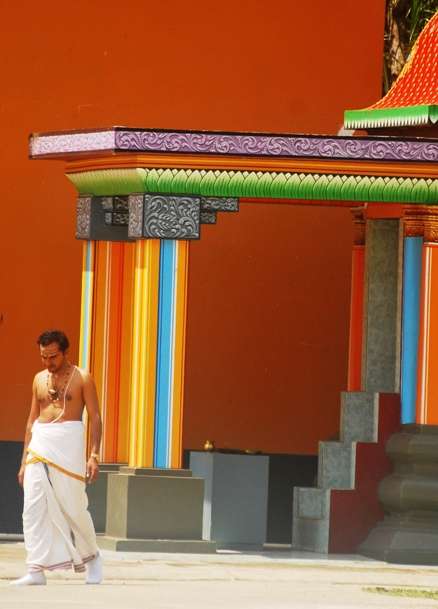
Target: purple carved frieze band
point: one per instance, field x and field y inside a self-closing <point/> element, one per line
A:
<point x="120" y="139"/>
<point x="276" y="145"/>
<point x="42" y="145"/>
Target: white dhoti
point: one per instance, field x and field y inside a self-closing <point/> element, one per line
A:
<point x="57" y="526"/>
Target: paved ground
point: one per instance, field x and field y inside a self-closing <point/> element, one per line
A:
<point x="269" y="580"/>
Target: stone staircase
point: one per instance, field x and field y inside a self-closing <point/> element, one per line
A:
<point x="338" y="514"/>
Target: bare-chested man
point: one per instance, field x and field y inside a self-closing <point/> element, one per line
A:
<point x="58" y="530"/>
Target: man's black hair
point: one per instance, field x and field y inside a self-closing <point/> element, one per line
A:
<point x="54" y="336"/>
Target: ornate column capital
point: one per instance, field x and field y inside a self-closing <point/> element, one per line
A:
<point x="421" y="221"/>
<point x="358" y="225"/>
<point x="431" y="225"/>
<point x="413" y="220"/>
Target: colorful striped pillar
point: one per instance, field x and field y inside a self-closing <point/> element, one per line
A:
<point x="105" y="338"/>
<point x="427" y="383"/>
<point x="356" y="303"/>
<point x="160" y="295"/>
<point x="134" y="318"/>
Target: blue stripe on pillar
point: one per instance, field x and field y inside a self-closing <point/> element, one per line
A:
<point x="410" y="325"/>
<point x="163" y="401"/>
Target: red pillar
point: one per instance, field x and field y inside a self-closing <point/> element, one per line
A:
<point x="356" y="303"/>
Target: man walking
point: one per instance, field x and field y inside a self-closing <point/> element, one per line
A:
<point x="58" y="530"/>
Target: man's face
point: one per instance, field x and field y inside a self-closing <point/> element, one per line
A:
<point x="52" y="357"/>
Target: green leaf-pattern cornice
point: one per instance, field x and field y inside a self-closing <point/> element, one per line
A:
<point x="220" y="183"/>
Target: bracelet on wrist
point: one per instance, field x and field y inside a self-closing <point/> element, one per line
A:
<point x="94" y="456"/>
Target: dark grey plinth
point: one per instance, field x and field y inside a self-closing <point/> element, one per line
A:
<point x="154" y="511"/>
<point x="403" y="540"/>
<point x="97" y="496"/>
<point x="409" y="532"/>
<point x="11" y="503"/>
<point x="236" y="497"/>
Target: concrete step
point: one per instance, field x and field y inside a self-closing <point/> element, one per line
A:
<point x="359" y="423"/>
<point x="336" y="465"/>
<point x="311" y="512"/>
<point x="359" y="416"/>
<point x="362" y="414"/>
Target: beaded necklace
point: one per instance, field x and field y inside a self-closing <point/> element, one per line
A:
<point x="57" y="393"/>
<point x="64" y="390"/>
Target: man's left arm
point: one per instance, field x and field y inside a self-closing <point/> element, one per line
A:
<point x="92" y="406"/>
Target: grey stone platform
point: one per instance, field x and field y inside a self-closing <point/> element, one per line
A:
<point x="336" y="470"/>
<point x="97" y="495"/>
<point x="154" y="510"/>
<point x="235" y="506"/>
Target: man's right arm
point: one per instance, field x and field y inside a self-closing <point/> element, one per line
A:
<point x="33" y="414"/>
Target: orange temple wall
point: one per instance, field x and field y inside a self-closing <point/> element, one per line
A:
<point x="269" y="287"/>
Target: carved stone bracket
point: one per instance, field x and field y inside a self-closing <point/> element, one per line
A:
<point x="83" y="218"/>
<point x="208" y="217"/>
<point x="135" y="224"/>
<point x="174" y="217"/>
<point x="219" y="204"/>
<point x="116" y="211"/>
<point x="171" y="217"/>
<point x="147" y="216"/>
<point x="102" y="218"/>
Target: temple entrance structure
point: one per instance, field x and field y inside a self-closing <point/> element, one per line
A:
<point x="144" y="194"/>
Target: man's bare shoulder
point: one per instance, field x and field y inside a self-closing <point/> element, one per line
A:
<point x="39" y="376"/>
<point x="84" y="374"/>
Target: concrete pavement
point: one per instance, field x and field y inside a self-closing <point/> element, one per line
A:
<point x="265" y="580"/>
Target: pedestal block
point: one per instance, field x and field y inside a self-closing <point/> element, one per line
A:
<point x="236" y="497"/>
<point x="154" y="510"/>
<point x="97" y="496"/>
<point x="409" y="531"/>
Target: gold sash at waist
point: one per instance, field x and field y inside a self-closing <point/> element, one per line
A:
<point x="36" y="458"/>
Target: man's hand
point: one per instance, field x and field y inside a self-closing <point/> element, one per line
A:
<point x="20" y="475"/>
<point x="92" y="470"/>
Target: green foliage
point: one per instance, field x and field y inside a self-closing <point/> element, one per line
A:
<point x="419" y="13"/>
<point x="404" y="21"/>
